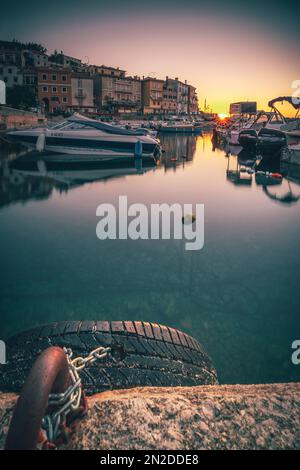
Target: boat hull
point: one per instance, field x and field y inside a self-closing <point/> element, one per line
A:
<point x="291" y="154"/>
<point x="101" y="148"/>
<point x="248" y="139"/>
<point x="270" y="141"/>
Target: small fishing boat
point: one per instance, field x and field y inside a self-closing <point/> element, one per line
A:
<point x="92" y="139"/>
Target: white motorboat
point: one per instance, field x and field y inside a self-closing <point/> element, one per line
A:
<point x="264" y="133"/>
<point x="291" y="128"/>
<point x="88" y="137"/>
<point x="244" y="122"/>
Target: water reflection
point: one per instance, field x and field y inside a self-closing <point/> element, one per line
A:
<point x="243" y="167"/>
<point x="56" y="269"/>
<point x="32" y="177"/>
<point x="178" y="150"/>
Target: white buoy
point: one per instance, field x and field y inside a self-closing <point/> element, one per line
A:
<point x="138" y="149"/>
<point x="40" y="143"/>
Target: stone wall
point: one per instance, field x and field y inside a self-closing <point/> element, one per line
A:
<point x="208" y="417"/>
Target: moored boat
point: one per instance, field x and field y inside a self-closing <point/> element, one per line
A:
<point x="84" y="136"/>
<point x="264" y="133"/>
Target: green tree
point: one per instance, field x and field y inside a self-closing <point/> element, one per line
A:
<point x="21" y="96"/>
<point x="34" y="46"/>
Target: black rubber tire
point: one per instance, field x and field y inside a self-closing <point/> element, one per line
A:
<point x="143" y="354"/>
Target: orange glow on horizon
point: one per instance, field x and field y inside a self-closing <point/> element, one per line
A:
<point x="222" y="116"/>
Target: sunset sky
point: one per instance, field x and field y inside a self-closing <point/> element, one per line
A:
<point x="228" y="50"/>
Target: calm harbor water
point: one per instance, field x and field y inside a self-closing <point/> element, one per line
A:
<point x="239" y="295"/>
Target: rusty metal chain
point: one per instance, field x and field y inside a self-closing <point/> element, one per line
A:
<point x="60" y="405"/>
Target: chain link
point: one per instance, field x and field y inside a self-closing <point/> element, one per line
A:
<point x="71" y="399"/>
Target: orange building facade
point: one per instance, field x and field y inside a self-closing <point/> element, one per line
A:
<point x="54" y="89"/>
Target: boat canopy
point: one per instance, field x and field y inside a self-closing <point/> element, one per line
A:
<point x="295" y="102"/>
<point x="103" y="126"/>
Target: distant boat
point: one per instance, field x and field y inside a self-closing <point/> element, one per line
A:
<point x="180" y="127"/>
<point x="88" y="137"/>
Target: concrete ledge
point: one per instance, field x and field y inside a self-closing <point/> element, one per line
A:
<point x="209" y="417"/>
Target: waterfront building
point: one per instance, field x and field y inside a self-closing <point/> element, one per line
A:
<point x="54" y="89"/>
<point x="59" y="59"/>
<point x="11" y="54"/>
<point x="11" y="74"/>
<point x="169" y="103"/>
<point x="193" y="107"/>
<point x="82" y="93"/>
<point x="104" y="70"/>
<point x="176" y="91"/>
<point x="34" y="58"/>
<point x="152" y="95"/>
<point x="182" y="96"/>
<point x="30" y="78"/>
<point x="242" y="107"/>
<point x="118" y="94"/>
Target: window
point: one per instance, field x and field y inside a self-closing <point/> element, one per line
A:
<point x="54" y="78"/>
<point x="64" y="78"/>
<point x="54" y="89"/>
<point x="44" y="89"/>
<point x="15" y="79"/>
<point x="64" y="89"/>
<point x="54" y="98"/>
<point x="65" y="99"/>
<point x="1" y="71"/>
<point x="44" y="77"/>
<point x="9" y="70"/>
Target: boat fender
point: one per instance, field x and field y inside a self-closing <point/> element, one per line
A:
<point x="277" y="175"/>
<point x="40" y="143"/>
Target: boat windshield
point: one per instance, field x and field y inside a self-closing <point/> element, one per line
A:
<point x="69" y="125"/>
